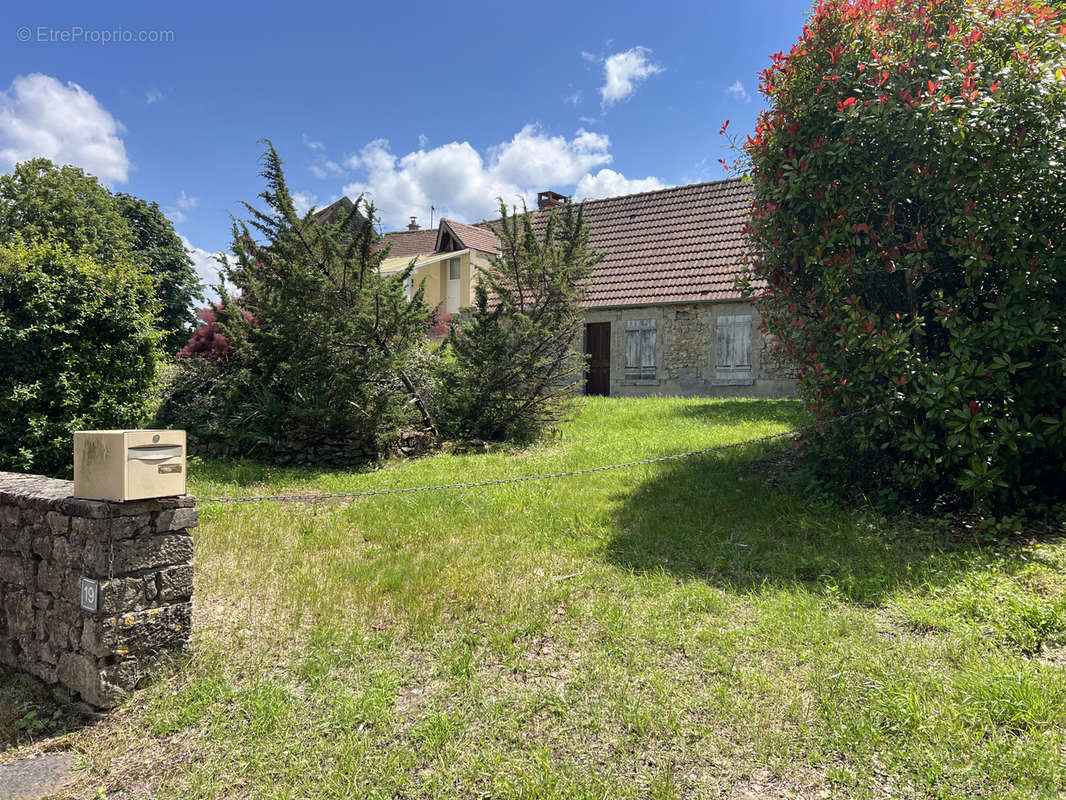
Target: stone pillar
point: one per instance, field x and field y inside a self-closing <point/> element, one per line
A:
<point x="137" y="556"/>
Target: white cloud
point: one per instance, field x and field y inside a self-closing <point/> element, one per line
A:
<point x="533" y="157"/>
<point x="574" y="98"/>
<point x="187" y="203"/>
<point x="40" y="116"/>
<point x="738" y="92"/>
<point x="322" y="168"/>
<point x="153" y="96"/>
<point x="464" y="184"/>
<point x="206" y="265"/>
<point x="303" y="201"/>
<point x="184" y="203"/>
<point x="608" y="183"/>
<point x="624" y="72"/>
<point x="453" y="177"/>
<point x="423" y="141"/>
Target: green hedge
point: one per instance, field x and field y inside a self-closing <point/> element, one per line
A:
<point x="78" y="350"/>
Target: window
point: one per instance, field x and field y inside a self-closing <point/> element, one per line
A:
<point x="408" y="286"/>
<point x="453" y="269"/>
<point x="733" y="352"/>
<point x="640" y="350"/>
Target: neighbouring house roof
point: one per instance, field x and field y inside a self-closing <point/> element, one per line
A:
<point x="408" y="244"/>
<point x="471" y="236"/>
<point x="684" y="244"/>
<point x="337" y="209"/>
<point x="334" y="210"/>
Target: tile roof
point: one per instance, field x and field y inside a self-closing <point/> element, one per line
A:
<point x="474" y="237"/>
<point x="683" y="244"/>
<point x="408" y="244"/>
<point x="334" y="210"/>
<point x="679" y="245"/>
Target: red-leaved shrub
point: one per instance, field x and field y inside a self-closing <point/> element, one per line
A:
<point x="910" y="192"/>
<point x="208" y="341"/>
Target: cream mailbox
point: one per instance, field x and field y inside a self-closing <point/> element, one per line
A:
<point x="128" y="465"/>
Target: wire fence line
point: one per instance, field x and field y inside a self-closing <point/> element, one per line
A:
<point x="294" y="498"/>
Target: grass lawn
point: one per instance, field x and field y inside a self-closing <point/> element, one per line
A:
<point x="674" y="630"/>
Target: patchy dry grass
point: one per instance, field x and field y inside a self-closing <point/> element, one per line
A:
<point x="673" y="630"/>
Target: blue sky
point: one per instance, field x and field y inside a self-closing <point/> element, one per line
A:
<point x="416" y="104"/>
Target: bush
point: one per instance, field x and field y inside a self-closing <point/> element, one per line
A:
<point x="323" y="349"/>
<point x="511" y="370"/>
<point x="77" y="351"/>
<point x="208" y="341"/>
<point x="909" y="196"/>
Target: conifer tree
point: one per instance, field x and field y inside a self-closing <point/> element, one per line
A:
<point x="515" y="368"/>
<point x="321" y="339"/>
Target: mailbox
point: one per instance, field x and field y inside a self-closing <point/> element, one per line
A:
<point x="128" y="465"/>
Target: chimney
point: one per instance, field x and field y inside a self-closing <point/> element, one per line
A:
<point x="550" y="199"/>
<point x="413" y="224"/>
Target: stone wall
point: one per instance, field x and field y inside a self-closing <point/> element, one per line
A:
<point x="139" y="553"/>
<point x="686" y="338"/>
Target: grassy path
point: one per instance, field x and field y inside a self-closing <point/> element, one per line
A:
<point x="673" y="630"/>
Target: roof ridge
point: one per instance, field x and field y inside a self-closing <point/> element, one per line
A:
<point x="651" y="191"/>
<point x="420" y="230"/>
<point x="619" y="197"/>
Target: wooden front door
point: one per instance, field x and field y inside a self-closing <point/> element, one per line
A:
<point x="598" y="349"/>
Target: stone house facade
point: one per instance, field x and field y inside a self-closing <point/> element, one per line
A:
<point x="685" y="357"/>
<point x="662" y="314"/>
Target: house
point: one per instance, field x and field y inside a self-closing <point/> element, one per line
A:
<point x="662" y="314"/>
<point x="446" y="260"/>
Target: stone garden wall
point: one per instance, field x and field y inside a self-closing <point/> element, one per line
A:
<point x="136" y="556"/>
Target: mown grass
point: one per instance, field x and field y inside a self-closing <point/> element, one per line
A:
<point x="680" y="629"/>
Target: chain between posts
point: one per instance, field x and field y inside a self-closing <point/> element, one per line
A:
<point x="283" y="498"/>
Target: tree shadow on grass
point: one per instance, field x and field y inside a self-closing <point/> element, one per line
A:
<point x="737" y="412"/>
<point x="715" y="518"/>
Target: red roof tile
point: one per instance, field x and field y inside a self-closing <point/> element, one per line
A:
<point x="408" y="244"/>
<point x="474" y="237"/>
<point x="331" y="212"/>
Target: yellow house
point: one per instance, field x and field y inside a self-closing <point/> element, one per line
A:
<point x="446" y="261"/>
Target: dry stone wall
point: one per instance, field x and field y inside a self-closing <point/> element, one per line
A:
<point x="139" y="555"/>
